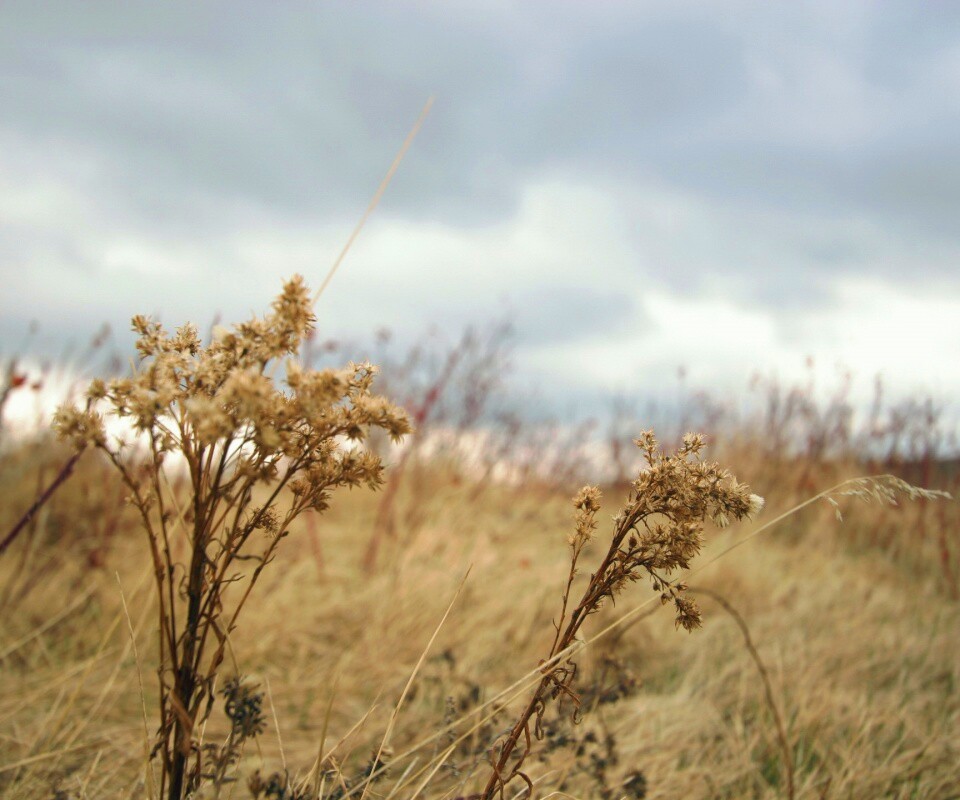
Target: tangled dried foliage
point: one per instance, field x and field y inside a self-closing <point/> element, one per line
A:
<point x="258" y="455"/>
<point x="657" y="533"/>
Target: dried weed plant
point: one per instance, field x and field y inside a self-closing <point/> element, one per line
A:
<point x="243" y="706"/>
<point x="657" y="533"/>
<point x="258" y="455"/>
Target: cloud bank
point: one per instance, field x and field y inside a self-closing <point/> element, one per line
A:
<point x="730" y="187"/>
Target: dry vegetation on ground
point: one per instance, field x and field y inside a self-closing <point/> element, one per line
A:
<point x="829" y="656"/>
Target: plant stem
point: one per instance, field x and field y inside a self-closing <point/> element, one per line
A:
<point x="57" y="482"/>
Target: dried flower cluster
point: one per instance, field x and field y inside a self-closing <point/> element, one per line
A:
<point x="657" y="533"/>
<point x="276" y="786"/>
<point x="242" y="437"/>
<point x="243" y="705"/>
<point x="661" y="528"/>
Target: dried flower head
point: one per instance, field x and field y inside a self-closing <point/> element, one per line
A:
<point x="243" y="705"/>
<point x="587" y="504"/>
<point x="656" y="533"/>
<point x="661" y="528"/>
<point x="241" y="433"/>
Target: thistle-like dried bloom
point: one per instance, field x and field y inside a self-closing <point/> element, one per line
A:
<point x="658" y="532"/>
<point x="587" y="504"/>
<point x="241" y="433"/>
<point x="80" y="427"/>
<point x="661" y="528"/>
<point x="190" y="398"/>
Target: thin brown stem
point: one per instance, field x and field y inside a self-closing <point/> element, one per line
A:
<point x="65" y="472"/>
<point x="767" y="685"/>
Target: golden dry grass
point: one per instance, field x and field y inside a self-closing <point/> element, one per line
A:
<point x="860" y="644"/>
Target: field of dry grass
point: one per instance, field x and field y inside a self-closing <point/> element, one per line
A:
<point x="828" y="660"/>
<point x="862" y="651"/>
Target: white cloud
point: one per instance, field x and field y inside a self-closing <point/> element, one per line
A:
<point x="908" y="332"/>
<point x="909" y="336"/>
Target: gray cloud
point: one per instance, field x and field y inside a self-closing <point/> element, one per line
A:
<point x="296" y="108"/>
<point x="565" y="313"/>
<point x="755" y="150"/>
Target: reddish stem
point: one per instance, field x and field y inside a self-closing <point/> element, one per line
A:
<point x="28" y="515"/>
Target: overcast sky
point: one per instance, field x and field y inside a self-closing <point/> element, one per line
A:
<point x="726" y="186"/>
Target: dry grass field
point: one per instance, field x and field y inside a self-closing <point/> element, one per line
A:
<point x="827" y="664"/>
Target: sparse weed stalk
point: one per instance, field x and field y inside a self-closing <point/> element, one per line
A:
<point x="658" y="532"/>
<point x="243" y="705"/>
<point x="258" y="456"/>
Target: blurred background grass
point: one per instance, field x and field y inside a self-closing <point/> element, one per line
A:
<point x="855" y="621"/>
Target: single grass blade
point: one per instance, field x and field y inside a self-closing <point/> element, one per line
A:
<point x="376" y="197"/>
